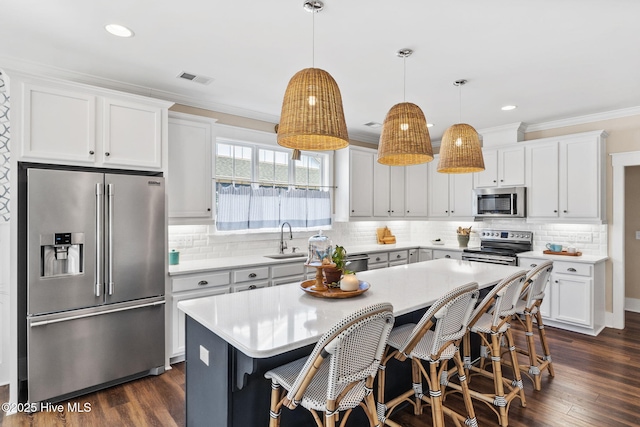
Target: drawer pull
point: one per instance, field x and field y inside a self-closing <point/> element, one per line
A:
<point x="533" y="265"/>
<point x="398" y="256"/>
<point x="377" y="258"/>
<point x="447" y="256"/>
<point x="202" y="283"/>
<point x="253" y="287"/>
<point x="252" y="275"/>
<point x="573" y="270"/>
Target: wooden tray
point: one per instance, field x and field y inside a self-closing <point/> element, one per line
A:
<point x="561" y="253"/>
<point x="333" y="292"/>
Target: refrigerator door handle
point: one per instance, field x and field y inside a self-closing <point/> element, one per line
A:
<point x="99" y="198"/>
<point x="99" y="313"/>
<point x="110" y="193"/>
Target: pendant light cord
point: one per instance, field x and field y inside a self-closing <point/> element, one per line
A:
<point x="313" y="38"/>
<point x="404" y="79"/>
<point x="460" y="103"/>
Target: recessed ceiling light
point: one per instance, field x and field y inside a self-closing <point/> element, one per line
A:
<point x="118" y="30"/>
<point x="509" y="107"/>
<point x="429" y="125"/>
<point x="373" y="124"/>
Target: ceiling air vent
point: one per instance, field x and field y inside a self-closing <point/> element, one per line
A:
<point x="204" y="80"/>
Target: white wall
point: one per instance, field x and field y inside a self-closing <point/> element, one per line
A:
<point x="4" y="233"/>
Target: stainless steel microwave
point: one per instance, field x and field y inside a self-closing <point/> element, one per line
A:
<point x="506" y="202"/>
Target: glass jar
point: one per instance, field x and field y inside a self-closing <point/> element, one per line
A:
<point x="320" y="250"/>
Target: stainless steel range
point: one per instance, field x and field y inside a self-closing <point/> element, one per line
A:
<point x="500" y="247"/>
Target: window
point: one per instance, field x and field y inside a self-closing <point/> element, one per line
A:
<point x="260" y="187"/>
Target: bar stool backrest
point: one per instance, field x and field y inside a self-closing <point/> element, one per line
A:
<point x="501" y="300"/>
<point x="450" y="314"/>
<point x="354" y="346"/>
<point x="537" y="279"/>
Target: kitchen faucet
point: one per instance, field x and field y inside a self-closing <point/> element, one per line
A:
<point x="283" y="244"/>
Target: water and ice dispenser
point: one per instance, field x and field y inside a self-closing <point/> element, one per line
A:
<point x="61" y="254"/>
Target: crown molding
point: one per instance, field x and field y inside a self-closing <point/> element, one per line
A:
<point x="580" y="120"/>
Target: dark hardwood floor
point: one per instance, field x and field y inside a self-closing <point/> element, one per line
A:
<point x="597" y="383"/>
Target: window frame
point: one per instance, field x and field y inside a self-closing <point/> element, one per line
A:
<point x="256" y="140"/>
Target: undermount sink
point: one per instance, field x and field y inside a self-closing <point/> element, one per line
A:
<point x="283" y="256"/>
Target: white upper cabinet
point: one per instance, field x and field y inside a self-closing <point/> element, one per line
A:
<point x="415" y="190"/>
<point x="375" y="191"/>
<point x="388" y="190"/>
<point x="69" y="123"/>
<point x="361" y="176"/>
<point x="450" y="195"/>
<point x="190" y="166"/>
<point x="542" y="180"/>
<point x="132" y="133"/>
<point x="504" y="167"/>
<point x="565" y="178"/>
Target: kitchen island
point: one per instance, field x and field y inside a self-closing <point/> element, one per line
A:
<point x="232" y="339"/>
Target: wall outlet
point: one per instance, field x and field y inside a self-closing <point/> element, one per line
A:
<point x="586" y="237"/>
<point x="204" y="355"/>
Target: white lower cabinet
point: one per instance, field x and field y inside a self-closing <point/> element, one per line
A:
<point x="294" y="272"/>
<point x="443" y="253"/>
<point x="192" y="286"/>
<point x="398" y="258"/>
<point x="378" y="260"/>
<point x="425" y="254"/>
<point x="574" y="298"/>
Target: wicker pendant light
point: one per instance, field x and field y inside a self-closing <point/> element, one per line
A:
<point x="312" y="116"/>
<point x="405" y="138"/>
<point x="460" y="150"/>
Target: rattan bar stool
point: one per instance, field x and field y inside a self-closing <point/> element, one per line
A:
<point x="528" y="313"/>
<point x="490" y="320"/>
<point x="338" y="376"/>
<point x="434" y="340"/>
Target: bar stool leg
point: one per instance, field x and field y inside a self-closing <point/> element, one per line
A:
<point x="435" y="395"/>
<point x="466" y="395"/>
<point x="276" y="405"/>
<point x="545" y="344"/>
<point x="513" y="353"/>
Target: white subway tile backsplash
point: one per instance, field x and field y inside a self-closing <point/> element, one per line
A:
<point x="202" y="242"/>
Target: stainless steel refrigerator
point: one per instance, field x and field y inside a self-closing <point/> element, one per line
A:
<point x="94" y="277"/>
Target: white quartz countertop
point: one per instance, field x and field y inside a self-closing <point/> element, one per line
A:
<point x="270" y="321"/>
<point x="590" y="259"/>
<point x="198" y="266"/>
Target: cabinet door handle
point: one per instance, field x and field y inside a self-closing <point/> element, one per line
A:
<point x="451" y="211"/>
<point x="564" y="211"/>
<point x="556" y="281"/>
<point x="107" y="154"/>
<point x="494" y="180"/>
<point x="502" y="180"/>
<point x="447" y="256"/>
<point x="352" y="210"/>
<point x="91" y="152"/>
<point x="571" y="269"/>
<point x="252" y="275"/>
<point x="202" y="283"/>
<point x="253" y="287"/>
<point x="533" y="265"/>
<point x="555" y="211"/>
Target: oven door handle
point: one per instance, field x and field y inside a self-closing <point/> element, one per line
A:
<point x="488" y="261"/>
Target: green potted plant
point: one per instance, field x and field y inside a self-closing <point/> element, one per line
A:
<point x="332" y="275"/>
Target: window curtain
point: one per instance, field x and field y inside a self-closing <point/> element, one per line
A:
<point x="264" y="209"/>
<point x="293" y="207"/>
<point x="241" y="207"/>
<point x="318" y="208"/>
<point x="233" y="207"/>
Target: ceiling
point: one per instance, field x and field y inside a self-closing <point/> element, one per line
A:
<point x="553" y="59"/>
